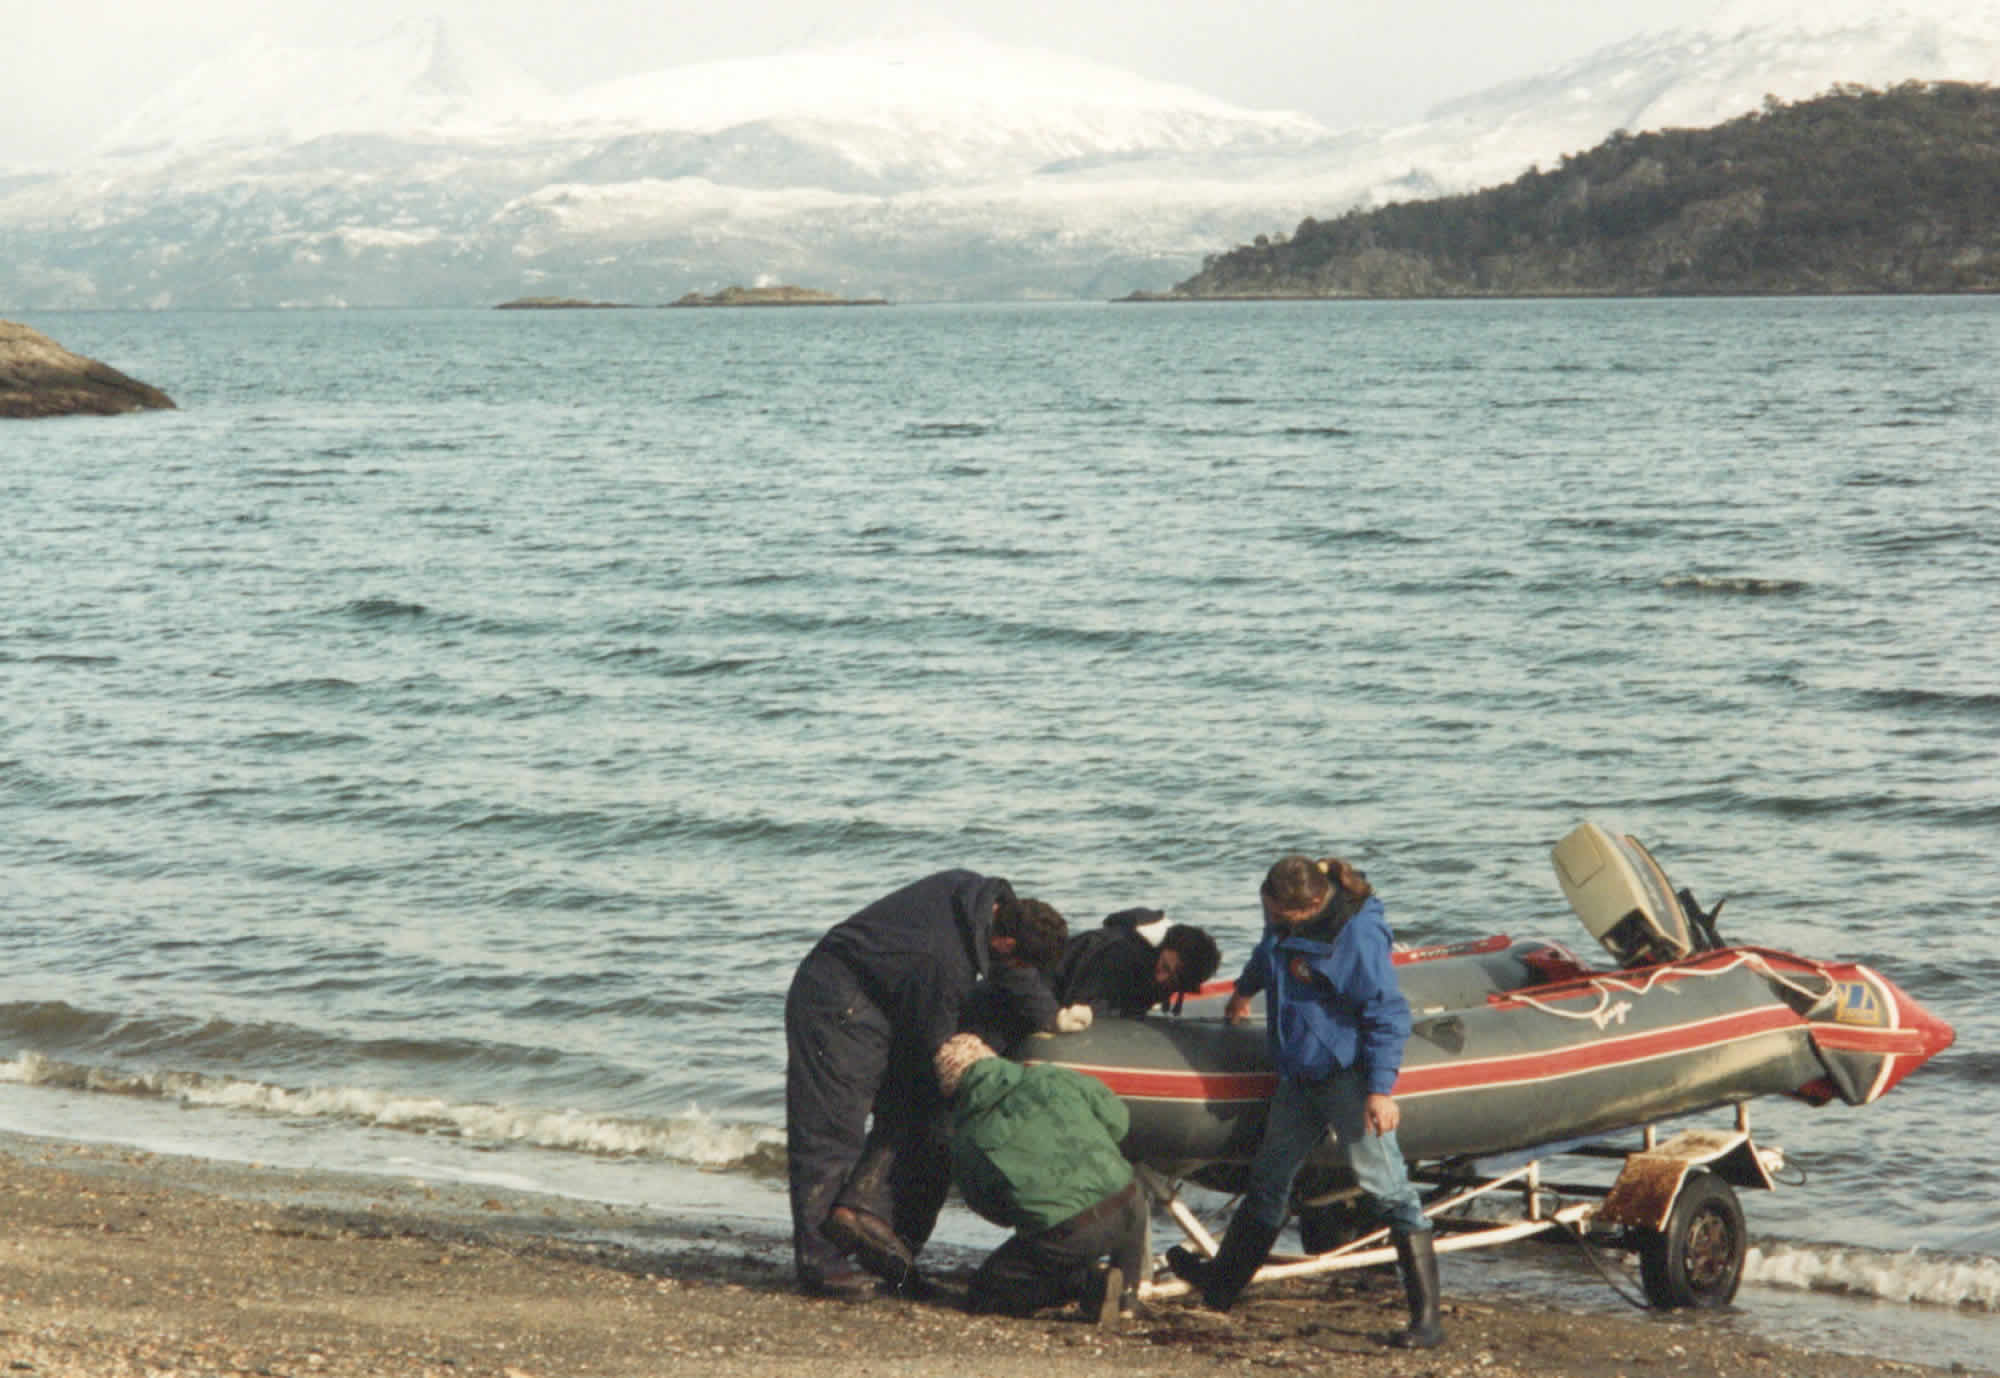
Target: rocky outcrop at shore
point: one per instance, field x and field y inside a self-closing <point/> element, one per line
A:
<point x="38" y="377"/>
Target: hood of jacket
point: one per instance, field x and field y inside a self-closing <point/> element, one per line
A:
<point x="986" y="1083"/>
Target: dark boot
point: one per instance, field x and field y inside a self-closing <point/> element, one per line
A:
<point x="870" y="1241"/>
<point x="1222" y="1279"/>
<point x="1417" y="1257"/>
<point x="1187" y="1265"/>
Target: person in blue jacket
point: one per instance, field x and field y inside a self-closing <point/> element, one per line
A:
<point x="1337" y="1022"/>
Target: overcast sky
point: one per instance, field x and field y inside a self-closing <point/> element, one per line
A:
<point x="70" y="69"/>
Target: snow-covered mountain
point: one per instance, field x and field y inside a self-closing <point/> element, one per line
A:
<point x="416" y="79"/>
<point x="1703" y="75"/>
<point x="424" y="170"/>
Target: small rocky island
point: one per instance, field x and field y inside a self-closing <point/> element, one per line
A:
<point x="560" y="304"/>
<point x="38" y="377"/>
<point x="728" y="296"/>
<point x="774" y="296"/>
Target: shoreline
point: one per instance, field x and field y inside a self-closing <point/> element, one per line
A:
<point x="119" y="1263"/>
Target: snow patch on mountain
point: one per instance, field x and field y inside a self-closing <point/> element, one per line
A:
<point x="1701" y="75"/>
<point x="418" y="78"/>
<point x="1818" y="16"/>
<point x="936" y="83"/>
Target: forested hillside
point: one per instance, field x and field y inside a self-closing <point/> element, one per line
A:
<point x="1854" y="191"/>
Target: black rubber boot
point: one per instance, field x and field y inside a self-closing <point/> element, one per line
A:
<point x="1223" y="1278"/>
<point x="1189" y="1266"/>
<point x="1417" y="1257"/>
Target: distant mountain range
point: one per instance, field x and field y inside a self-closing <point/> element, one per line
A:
<point x="424" y="170"/>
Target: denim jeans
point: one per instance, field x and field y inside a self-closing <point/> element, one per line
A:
<point x="1300" y="1115"/>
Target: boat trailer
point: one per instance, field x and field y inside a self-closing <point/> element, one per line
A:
<point x="1673" y="1203"/>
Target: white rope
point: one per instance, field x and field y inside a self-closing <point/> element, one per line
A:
<point x="1605" y="985"/>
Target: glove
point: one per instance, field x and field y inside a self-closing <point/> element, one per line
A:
<point x="1073" y="1019"/>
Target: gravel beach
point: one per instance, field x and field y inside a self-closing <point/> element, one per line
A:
<point x="118" y="1264"/>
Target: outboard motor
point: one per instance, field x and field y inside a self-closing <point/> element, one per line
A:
<point x="1626" y="901"/>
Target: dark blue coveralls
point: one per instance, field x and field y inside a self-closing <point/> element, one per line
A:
<point x="867" y="1010"/>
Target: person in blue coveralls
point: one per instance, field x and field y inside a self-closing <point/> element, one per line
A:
<point x="1337" y="1023"/>
<point x="865" y="1132"/>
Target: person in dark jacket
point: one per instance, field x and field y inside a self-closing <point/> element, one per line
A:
<point x="1010" y="1003"/>
<point x="1036" y="1149"/>
<point x="867" y="1009"/>
<point x="1133" y="961"/>
<point x="1337" y="1023"/>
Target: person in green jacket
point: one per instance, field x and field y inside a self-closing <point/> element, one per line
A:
<point x="1036" y="1149"/>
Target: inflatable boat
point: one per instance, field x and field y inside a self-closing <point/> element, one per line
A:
<point x="1519" y="1046"/>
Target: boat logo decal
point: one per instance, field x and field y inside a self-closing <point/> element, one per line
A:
<point x="1606" y="1015"/>
<point x="1859" y="1005"/>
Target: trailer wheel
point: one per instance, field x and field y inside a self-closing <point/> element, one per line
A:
<point x="1697" y="1259"/>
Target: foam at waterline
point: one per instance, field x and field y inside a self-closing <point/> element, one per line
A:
<point x="694" y="1137"/>
<point x="1963" y="1281"/>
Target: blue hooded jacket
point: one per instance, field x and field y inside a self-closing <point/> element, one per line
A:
<point x="1349" y="1012"/>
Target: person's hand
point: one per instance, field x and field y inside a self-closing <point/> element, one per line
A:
<point x="1381" y="1114"/>
<point x="1073" y="1018"/>
<point x="1237" y="1010"/>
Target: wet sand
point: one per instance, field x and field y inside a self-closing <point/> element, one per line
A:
<point x="116" y="1264"/>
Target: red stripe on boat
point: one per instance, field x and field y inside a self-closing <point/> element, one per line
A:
<point x="1599" y="1053"/>
<point x="1844" y="1038"/>
<point x="1471" y="947"/>
<point x="1136" y="1083"/>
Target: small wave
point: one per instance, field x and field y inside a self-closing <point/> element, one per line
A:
<point x="326" y="686"/>
<point x="1978" y="703"/>
<point x="72" y="660"/>
<point x="1731" y="583"/>
<point x="1928" y="1279"/>
<point x="1542" y="403"/>
<point x="1974" y="1066"/>
<point x="51" y="1021"/>
<point x="1873" y="479"/>
<point x="301" y="740"/>
<point x="1903" y="541"/>
<point x="382" y="609"/>
<point x="673" y="665"/>
<point x="1624" y="528"/>
<point x="946" y="430"/>
<point x="695" y="1137"/>
<point x="1359" y="535"/>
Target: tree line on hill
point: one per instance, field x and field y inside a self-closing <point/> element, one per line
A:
<point x="1854" y="191"/>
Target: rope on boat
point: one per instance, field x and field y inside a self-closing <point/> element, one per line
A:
<point x="1605" y="986"/>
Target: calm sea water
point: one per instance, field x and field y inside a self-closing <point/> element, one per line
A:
<point x="430" y="749"/>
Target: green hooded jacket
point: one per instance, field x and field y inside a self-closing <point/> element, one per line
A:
<point x="1032" y="1146"/>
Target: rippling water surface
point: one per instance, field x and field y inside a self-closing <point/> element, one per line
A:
<point x="432" y="747"/>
